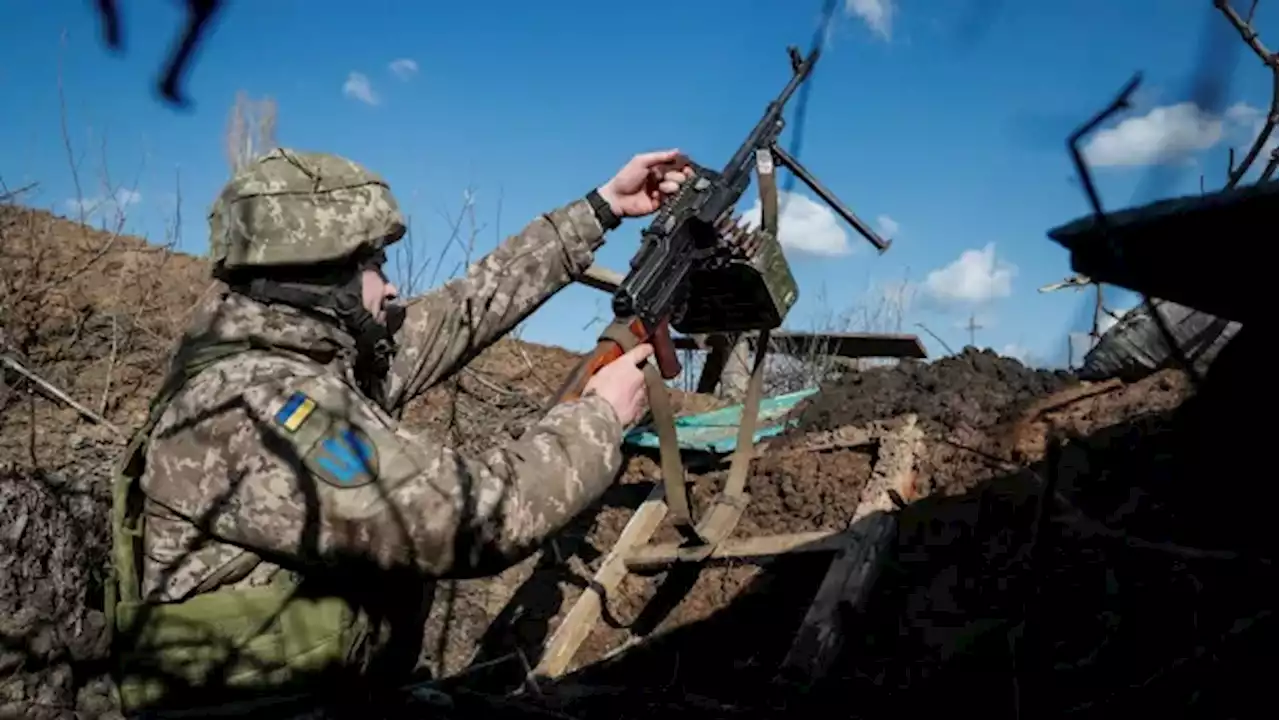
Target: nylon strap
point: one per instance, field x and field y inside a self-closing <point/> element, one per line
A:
<point x="664" y="422"/>
<point x="734" y="492"/>
<point x="720" y="520"/>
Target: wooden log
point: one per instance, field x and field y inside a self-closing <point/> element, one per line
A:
<point x="849" y="345"/>
<point x="582" y="617"/>
<point x="737" y="369"/>
<point x="846" y="436"/>
<point x="855" y="567"/>
<point x="601" y="278"/>
<point x="755" y="549"/>
<point x="718" y="347"/>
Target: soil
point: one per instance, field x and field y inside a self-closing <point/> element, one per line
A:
<point x="1137" y="589"/>
<point x="1104" y="607"/>
<point x="976" y="388"/>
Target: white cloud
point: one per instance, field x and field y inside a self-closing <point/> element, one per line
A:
<point x="877" y="14"/>
<point x="804" y="226"/>
<point x="888" y="226"/>
<point x="1017" y="352"/>
<point x="1248" y="122"/>
<point x="358" y="86"/>
<point x="91" y="206"/>
<point x="1242" y="113"/>
<point x="1168" y="134"/>
<point x="1106" y="322"/>
<point x="977" y="276"/>
<point x="404" y="68"/>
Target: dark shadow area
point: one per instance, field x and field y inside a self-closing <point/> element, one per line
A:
<point x="1148" y="588"/>
<point x="523" y="625"/>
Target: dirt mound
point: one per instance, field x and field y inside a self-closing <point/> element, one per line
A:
<point x="976" y="388"/>
<point x="52" y="640"/>
<point x="1100" y="607"/>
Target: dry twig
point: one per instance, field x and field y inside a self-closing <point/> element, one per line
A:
<point x="57" y="394"/>
<point x="1244" y="26"/>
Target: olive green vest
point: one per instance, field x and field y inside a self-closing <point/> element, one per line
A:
<point x="257" y="645"/>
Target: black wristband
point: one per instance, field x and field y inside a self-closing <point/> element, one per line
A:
<point x="604" y="213"/>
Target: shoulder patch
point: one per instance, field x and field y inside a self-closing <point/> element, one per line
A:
<point x="295" y="411"/>
<point x="344" y="457"/>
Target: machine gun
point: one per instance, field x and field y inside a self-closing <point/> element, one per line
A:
<point x="692" y="275"/>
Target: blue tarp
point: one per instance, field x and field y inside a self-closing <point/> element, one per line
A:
<point x="717" y="431"/>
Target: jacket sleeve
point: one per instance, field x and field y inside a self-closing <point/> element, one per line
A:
<point x="379" y="494"/>
<point x="447" y="327"/>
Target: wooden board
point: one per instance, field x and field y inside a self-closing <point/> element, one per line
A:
<point x="656" y="557"/>
<point x="847" y="345"/>
<point x="854" y="569"/>
<point x="787" y="342"/>
<point x="601" y="278"/>
<point x="582" y="617"/>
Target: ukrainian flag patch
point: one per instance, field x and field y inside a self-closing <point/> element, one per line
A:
<point x="295" y="411"/>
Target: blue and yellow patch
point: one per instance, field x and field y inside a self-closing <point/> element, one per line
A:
<point x="345" y="457"/>
<point x="295" y="411"/>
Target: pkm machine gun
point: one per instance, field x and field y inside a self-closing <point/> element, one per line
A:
<point x="686" y="274"/>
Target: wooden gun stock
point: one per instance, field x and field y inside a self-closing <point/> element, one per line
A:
<point x="608" y="350"/>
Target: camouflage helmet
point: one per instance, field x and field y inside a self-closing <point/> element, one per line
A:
<point x="300" y="208"/>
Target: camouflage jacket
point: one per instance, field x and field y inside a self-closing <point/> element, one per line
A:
<point x="278" y="454"/>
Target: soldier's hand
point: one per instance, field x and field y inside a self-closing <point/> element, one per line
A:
<point x="621" y="383"/>
<point x="640" y="185"/>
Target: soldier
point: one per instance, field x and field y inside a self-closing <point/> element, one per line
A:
<point x="274" y="526"/>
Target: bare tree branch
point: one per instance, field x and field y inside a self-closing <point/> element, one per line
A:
<point x="1250" y="37"/>
<point x="251" y="130"/>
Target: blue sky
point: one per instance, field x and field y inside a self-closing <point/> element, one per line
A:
<point x="943" y="122"/>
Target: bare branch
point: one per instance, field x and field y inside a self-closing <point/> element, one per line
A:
<point x="934" y="335"/>
<point x="66" y="134"/>
<point x="1250" y="37"/>
<point x="53" y="391"/>
<point x="251" y="130"/>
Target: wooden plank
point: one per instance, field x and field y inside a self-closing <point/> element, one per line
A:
<point x="845" y="436"/>
<point x="786" y="342"/>
<point x="854" y="569"/>
<point x="848" y="345"/>
<point x="656" y="557"/>
<point x="736" y="374"/>
<point x="719" y="349"/>
<point x="601" y="278"/>
<point x="821" y="634"/>
<point x="582" y="617"/>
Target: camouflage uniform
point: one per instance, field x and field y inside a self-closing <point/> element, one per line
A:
<point x="269" y="469"/>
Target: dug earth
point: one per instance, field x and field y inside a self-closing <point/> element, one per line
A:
<point x="1035" y="573"/>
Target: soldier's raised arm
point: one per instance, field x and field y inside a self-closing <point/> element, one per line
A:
<point x="445" y="328"/>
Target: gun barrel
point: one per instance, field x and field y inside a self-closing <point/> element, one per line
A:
<point x="771" y="123"/>
<point x="821" y="191"/>
<point x="798" y="76"/>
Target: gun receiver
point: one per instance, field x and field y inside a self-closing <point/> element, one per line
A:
<point x="686" y="240"/>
